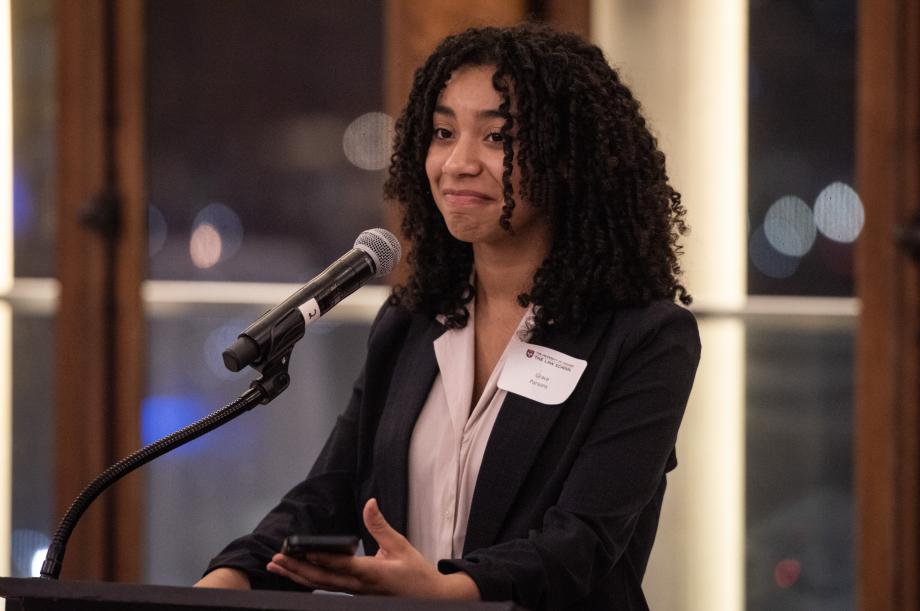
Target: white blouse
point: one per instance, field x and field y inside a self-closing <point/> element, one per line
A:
<point x="448" y="443"/>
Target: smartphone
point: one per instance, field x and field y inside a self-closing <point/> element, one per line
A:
<point x="297" y="546"/>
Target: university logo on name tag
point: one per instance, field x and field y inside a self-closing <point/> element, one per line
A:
<point x="539" y="373"/>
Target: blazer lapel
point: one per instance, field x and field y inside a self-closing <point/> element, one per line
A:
<point x="411" y="382"/>
<point x="519" y="431"/>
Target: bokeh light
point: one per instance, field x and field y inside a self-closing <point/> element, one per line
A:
<point x="368" y="140"/>
<point x="309" y="143"/>
<point x="767" y="259"/>
<point x="839" y="213"/>
<point x="162" y="415"/>
<point x="787" y="572"/>
<point x="205" y="246"/>
<point x="28" y="546"/>
<point x="790" y="226"/>
<point x="226" y="222"/>
<point x="23" y="206"/>
<point x="38" y="559"/>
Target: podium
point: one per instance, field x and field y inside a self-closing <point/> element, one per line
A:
<point x="49" y="595"/>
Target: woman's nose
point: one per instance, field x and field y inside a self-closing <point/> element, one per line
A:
<point x="463" y="158"/>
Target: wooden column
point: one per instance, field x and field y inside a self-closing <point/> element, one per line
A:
<point x="413" y="29"/>
<point x="100" y="266"/>
<point x="131" y="270"/>
<point x="887" y="462"/>
<point x="568" y="15"/>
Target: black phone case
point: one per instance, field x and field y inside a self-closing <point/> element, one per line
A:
<point x="297" y="546"/>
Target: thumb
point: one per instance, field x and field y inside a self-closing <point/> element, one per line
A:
<point x="387" y="538"/>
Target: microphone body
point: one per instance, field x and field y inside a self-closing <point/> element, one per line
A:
<point x="376" y="253"/>
<point x="283" y="325"/>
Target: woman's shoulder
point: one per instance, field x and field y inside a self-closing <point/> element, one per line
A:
<point x="661" y="320"/>
<point x="394" y="320"/>
<point x="389" y="315"/>
<point x="659" y="311"/>
<point x="392" y="312"/>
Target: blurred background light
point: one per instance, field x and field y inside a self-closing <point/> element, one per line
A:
<point x="767" y="259"/>
<point x="23" y="206"/>
<point x="226" y="222"/>
<point x="787" y="572"/>
<point x="368" y="141"/>
<point x="28" y="547"/>
<point x="38" y="559"/>
<point x="307" y="143"/>
<point x="162" y="415"/>
<point x="839" y="213"/>
<point x="789" y="226"/>
<point x="205" y="246"/>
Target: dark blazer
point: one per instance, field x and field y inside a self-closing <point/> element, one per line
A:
<point x="568" y="496"/>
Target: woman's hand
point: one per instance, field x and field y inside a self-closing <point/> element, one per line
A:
<point x="225" y="577"/>
<point x="398" y="568"/>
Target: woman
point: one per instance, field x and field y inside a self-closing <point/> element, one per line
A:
<point x="510" y="434"/>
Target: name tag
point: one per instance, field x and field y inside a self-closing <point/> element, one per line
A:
<point x="539" y="373"/>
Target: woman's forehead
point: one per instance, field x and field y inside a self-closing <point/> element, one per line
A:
<point x="470" y="86"/>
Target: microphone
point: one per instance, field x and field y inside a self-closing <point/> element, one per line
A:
<point x="266" y="345"/>
<point x="376" y="253"/>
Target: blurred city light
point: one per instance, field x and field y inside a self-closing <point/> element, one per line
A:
<point x="767" y="259"/>
<point x="28" y="551"/>
<point x="38" y="559"/>
<point x="205" y="246"/>
<point x="226" y="222"/>
<point x="162" y="415"/>
<point x="839" y="213"/>
<point x="790" y="226"/>
<point x="308" y="143"/>
<point x="787" y="572"/>
<point x="368" y="141"/>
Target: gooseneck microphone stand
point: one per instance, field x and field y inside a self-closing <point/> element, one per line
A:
<point x="266" y="346"/>
<point x="273" y="382"/>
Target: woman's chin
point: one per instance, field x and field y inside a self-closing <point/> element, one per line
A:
<point x="468" y="232"/>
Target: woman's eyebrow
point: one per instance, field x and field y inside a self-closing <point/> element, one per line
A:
<point x="480" y="114"/>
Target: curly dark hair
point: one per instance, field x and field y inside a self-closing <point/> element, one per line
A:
<point x="586" y="158"/>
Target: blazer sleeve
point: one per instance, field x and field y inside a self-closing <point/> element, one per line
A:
<point x="618" y="470"/>
<point x="324" y="503"/>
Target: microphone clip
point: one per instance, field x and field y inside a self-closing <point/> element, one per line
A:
<point x="275" y="377"/>
<point x="277" y="344"/>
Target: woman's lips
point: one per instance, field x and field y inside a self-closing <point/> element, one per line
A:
<point x="465" y="197"/>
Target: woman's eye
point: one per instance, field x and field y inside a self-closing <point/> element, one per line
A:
<point x="441" y="134"/>
<point x="495" y="137"/>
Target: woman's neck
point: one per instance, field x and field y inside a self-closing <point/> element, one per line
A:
<point x="502" y="275"/>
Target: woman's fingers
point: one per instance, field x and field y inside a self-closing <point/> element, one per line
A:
<point x="278" y="567"/>
<point x="397" y="569"/>
<point x="323" y="576"/>
<point x="389" y="540"/>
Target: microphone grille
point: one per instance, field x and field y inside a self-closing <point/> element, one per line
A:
<point x="383" y="248"/>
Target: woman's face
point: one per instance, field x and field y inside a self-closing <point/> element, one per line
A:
<point x="464" y="163"/>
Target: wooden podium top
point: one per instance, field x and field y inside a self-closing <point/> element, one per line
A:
<point x="49" y="595"/>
